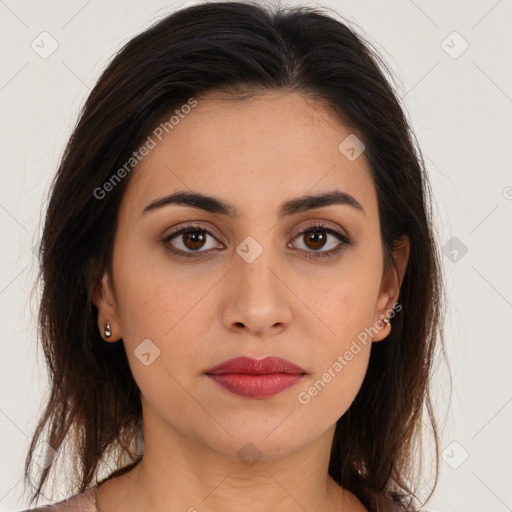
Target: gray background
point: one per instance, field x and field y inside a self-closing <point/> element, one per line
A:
<point x="459" y="103"/>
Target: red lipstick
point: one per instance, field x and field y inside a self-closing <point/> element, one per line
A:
<point x="256" y="378"/>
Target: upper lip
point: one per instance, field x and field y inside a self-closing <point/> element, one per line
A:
<point x="247" y="365"/>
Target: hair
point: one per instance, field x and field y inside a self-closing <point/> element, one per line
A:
<point x="238" y="48"/>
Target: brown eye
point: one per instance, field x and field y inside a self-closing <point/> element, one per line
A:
<point x="193" y="240"/>
<point x="189" y="240"/>
<point x="316" y="238"/>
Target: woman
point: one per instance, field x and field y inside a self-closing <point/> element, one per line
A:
<point x="241" y="285"/>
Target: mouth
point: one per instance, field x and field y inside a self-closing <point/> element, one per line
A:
<point x="256" y="378"/>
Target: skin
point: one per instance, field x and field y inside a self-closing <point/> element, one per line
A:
<point x="200" y="311"/>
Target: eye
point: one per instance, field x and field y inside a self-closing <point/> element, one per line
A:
<point x="189" y="240"/>
<point x="318" y="238"/>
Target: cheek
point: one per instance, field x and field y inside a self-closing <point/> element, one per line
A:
<point x="344" y="307"/>
<point x="172" y="308"/>
<point x="160" y="317"/>
<point x="329" y="391"/>
<point x="154" y="295"/>
<point x="340" y="302"/>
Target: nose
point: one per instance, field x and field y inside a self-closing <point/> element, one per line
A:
<point x="258" y="297"/>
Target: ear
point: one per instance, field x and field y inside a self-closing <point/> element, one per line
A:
<point x="390" y="288"/>
<point x="104" y="299"/>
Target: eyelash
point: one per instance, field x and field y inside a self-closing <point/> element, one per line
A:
<point x="345" y="242"/>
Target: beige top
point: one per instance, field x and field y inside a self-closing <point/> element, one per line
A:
<point x="82" y="502"/>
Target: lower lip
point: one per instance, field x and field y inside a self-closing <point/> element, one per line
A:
<point x="256" y="386"/>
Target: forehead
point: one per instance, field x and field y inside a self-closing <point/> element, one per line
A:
<point x="252" y="152"/>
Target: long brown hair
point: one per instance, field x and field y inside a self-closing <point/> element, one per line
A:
<point x="94" y="407"/>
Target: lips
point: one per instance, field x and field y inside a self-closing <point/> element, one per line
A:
<point x="249" y="366"/>
<point x="256" y="378"/>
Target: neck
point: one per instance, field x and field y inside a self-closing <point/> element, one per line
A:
<point x="179" y="473"/>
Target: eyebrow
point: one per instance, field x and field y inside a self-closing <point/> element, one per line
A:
<point x="218" y="206"/>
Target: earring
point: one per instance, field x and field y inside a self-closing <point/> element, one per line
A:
<point x="108" y="330"/>
<point x="387" y="321"/>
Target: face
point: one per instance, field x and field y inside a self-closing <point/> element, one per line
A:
<point x="249" y="282"/>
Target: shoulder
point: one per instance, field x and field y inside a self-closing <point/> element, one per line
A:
<point x="82" y="502"/>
